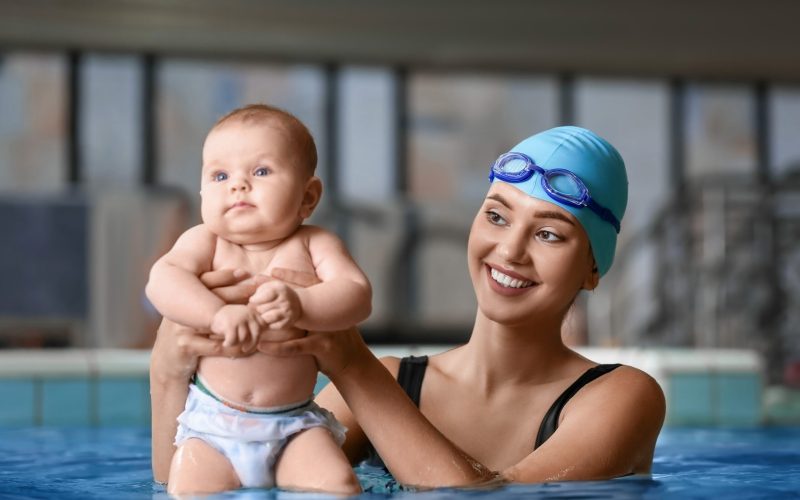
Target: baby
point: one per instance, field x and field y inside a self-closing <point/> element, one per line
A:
<point x="257" y="187"/>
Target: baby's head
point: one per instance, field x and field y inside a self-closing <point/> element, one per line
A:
<point x="258" y="182"/>
<point x="296" y="133"/>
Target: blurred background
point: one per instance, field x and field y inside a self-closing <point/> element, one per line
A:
<point x="104" y="106"/>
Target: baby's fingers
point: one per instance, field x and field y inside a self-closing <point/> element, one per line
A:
<point x="271" y="307"/>
<point x="242" y="333"/>
<point x="230" y="337"/>
<point x="264" y="294"/>
<point x="272" y="316"/>
<point x="254" y="328"/>
<point x="280" y="324"/>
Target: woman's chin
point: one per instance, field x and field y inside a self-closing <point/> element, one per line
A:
<point x="509" y="317"/>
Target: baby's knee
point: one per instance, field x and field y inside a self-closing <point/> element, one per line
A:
<point x="314" y="462"/>
<point x="340" y="480"/>
<point x="200" y="469"/>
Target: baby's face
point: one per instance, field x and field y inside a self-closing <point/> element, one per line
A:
<point x="253" y="185"/>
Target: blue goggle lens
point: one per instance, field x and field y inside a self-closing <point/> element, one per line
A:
<point x="565" y="185"/>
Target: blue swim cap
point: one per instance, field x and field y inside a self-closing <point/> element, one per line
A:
<point x="601" y="168"/>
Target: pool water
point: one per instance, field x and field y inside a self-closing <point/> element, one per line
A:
<point x="73" y="463"/>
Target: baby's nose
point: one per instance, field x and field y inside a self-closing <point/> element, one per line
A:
<point x="239" y="184"/>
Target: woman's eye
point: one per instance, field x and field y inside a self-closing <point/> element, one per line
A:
<point x="220" y="176"/>
<point x="495" y="218"/>
<point x="548" y="236"/>
<point x="261" y="172"/>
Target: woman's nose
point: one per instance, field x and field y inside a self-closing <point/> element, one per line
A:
<point x="513" y="247"/>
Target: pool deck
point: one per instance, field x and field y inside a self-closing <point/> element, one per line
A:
<point x="110" y="387"/>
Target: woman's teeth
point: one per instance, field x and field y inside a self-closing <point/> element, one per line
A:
<point x="508" y="281"/>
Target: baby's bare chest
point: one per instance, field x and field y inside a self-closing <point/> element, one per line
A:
<point x="292" y="254"/>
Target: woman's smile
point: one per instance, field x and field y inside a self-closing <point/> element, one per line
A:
<point x="506" y="282"/>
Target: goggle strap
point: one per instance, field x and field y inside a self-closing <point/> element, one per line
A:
<point x="604" y="213"/>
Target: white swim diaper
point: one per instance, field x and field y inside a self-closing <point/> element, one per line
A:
<point x="250" y="441"/>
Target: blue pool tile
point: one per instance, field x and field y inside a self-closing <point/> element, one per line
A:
<point x="690" y="399"/>
<point x="66" y="402"/>
<point x="123" y="401"/>
<point x="18" y="403"/>
<point x="738" y="399"/>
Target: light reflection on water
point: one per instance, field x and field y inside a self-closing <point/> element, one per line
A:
<point x="689" y="463"/>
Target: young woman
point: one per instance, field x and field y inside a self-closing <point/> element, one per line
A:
<point x="514" y="402"/>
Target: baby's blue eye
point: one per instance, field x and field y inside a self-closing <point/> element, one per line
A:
<point x="261" y="172"/>
<point x="220" y="176"/>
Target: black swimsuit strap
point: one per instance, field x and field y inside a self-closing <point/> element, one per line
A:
<point x="550" y="420"/>
<point x="410" y="375"/>
<point x="412" y="371"/>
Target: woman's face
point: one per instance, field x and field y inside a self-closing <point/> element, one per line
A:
<point x="527" y="258"/>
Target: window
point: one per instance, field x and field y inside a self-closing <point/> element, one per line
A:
<point x="33" y="132"/>
<point x="720" y="130"/>
<point x="784" y="127"/>
<point x="367" y="134"/>
<point x="460" y="123"/>
<point x="111" y="112"/>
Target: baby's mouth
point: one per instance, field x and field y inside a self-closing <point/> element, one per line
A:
<point x="240" y="204"/>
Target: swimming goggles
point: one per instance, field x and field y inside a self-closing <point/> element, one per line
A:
<point x="561" y="185"/>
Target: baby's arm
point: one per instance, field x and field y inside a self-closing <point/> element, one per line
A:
<point x="341" y="300"/>
<point x="174" y="287"/>
<point x="176" y="291"/>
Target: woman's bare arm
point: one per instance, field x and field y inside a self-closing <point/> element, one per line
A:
<point x="608" y="430"/>
<point x="172" y="364"/>
<point x="174" y="360"/>
<point x="414" y="451"/>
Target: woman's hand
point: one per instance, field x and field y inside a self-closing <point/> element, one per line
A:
<point x="334" y="352"/>
<point x="234" y="286"/>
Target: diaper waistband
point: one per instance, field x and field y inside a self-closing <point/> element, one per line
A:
<point x="200" y="384"/>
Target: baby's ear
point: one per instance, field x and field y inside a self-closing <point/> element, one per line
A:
<point x="311" y="197"/>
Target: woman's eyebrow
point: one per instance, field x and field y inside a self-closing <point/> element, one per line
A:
<point x="499" y="199"/>
<point x="552" y="214"/>
<point x="539" y="214"/>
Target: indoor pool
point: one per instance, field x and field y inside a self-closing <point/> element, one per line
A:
<point x="64" y="463"/>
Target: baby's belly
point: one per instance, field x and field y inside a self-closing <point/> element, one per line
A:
<point x="260" y="380"/>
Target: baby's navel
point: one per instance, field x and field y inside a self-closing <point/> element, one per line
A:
<point x="247" y="398"/>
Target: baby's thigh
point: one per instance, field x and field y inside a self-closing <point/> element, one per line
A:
<point x="199" y="468"/>
<point x="313" y="461"/>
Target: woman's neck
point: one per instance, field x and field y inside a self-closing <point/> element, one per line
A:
<point x="499" y="355"/>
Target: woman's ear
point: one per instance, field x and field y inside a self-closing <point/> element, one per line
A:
<point x="593" y="278"/>
<point x="311" y="197"/>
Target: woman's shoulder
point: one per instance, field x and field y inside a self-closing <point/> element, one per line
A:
<point x="630" y="390"/>
<point x="391" y="363"/>
<point x="633" y="379"/>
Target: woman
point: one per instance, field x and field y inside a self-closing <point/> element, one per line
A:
<point x="513" y="402"/>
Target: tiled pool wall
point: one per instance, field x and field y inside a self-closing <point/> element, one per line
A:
<point x="107" y="387"/>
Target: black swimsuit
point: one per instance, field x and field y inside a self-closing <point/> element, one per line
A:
<point x="412" y="371"/>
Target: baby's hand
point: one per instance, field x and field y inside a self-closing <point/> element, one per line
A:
<point x="278" y="304"/>
<point x="237" y="323"/>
